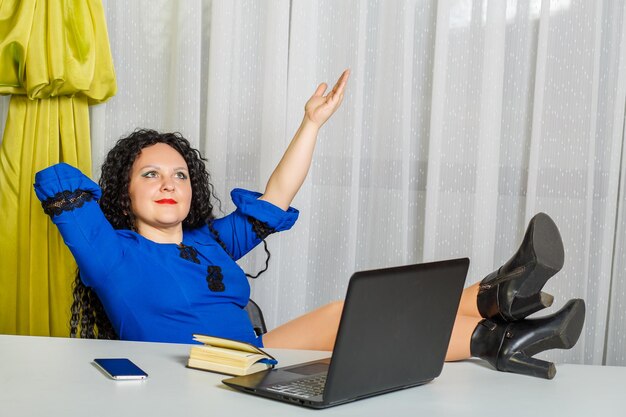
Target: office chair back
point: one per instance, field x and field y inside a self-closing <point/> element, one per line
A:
<point x="256" y="317"/>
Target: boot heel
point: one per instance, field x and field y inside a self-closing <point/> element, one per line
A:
<point x="536" y="278"/>
<point x="522" y="364"/>
<point x="523" y="307"/>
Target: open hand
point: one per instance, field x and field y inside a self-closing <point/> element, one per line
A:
<point x="320" y="107"/>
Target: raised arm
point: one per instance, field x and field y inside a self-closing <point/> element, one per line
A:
<point x="70" y="199"/>
<point x="292" y="169"/>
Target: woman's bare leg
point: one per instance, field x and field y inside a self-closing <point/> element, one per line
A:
<point x="459" y="346"/>
<point x="316" y="330"/>
<point x="468" y="305"/>
<point x="467" y="318"/>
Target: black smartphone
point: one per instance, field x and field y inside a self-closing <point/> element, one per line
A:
<point x="120" y="368"/>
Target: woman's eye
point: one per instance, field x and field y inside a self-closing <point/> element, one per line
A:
<point x="181" y="176"/>
<point x="149" y="174"/>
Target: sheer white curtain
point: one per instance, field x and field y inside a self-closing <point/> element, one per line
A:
<point x="527" y="116"/>
<point x="462" y="119"/>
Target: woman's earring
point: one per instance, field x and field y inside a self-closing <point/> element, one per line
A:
<point x="131" y="221"/>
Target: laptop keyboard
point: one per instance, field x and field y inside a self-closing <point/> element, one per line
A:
<point x="307" y="387"/>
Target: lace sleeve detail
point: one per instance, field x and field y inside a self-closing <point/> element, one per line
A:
<point x="261" y="229"/>
<point x="65" y="201"/>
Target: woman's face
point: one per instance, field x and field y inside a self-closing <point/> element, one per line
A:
<point x="160" y="190"/>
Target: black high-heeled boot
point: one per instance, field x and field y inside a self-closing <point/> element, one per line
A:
<point x="513" y="291"/>
<point x="509" y="347"/>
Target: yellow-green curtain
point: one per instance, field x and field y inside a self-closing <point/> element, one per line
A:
<point x="55" y="61"/>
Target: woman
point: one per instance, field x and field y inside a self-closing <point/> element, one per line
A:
<point x="147" y="242"/>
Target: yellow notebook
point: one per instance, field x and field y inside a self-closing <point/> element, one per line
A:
<point x="228" y="356"/>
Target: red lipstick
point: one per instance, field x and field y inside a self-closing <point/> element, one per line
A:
<point x="166" y="201"/>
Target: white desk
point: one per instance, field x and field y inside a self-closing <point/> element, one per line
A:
<point x="54" y="377"/>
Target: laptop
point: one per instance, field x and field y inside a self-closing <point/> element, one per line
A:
<point x="394" y="333"/>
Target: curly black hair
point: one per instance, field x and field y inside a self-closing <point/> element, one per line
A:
<point x="115" y="178"/>
<point x="87" y="311"/>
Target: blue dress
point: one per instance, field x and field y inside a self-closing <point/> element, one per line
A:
<point x="161" y="292"/>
